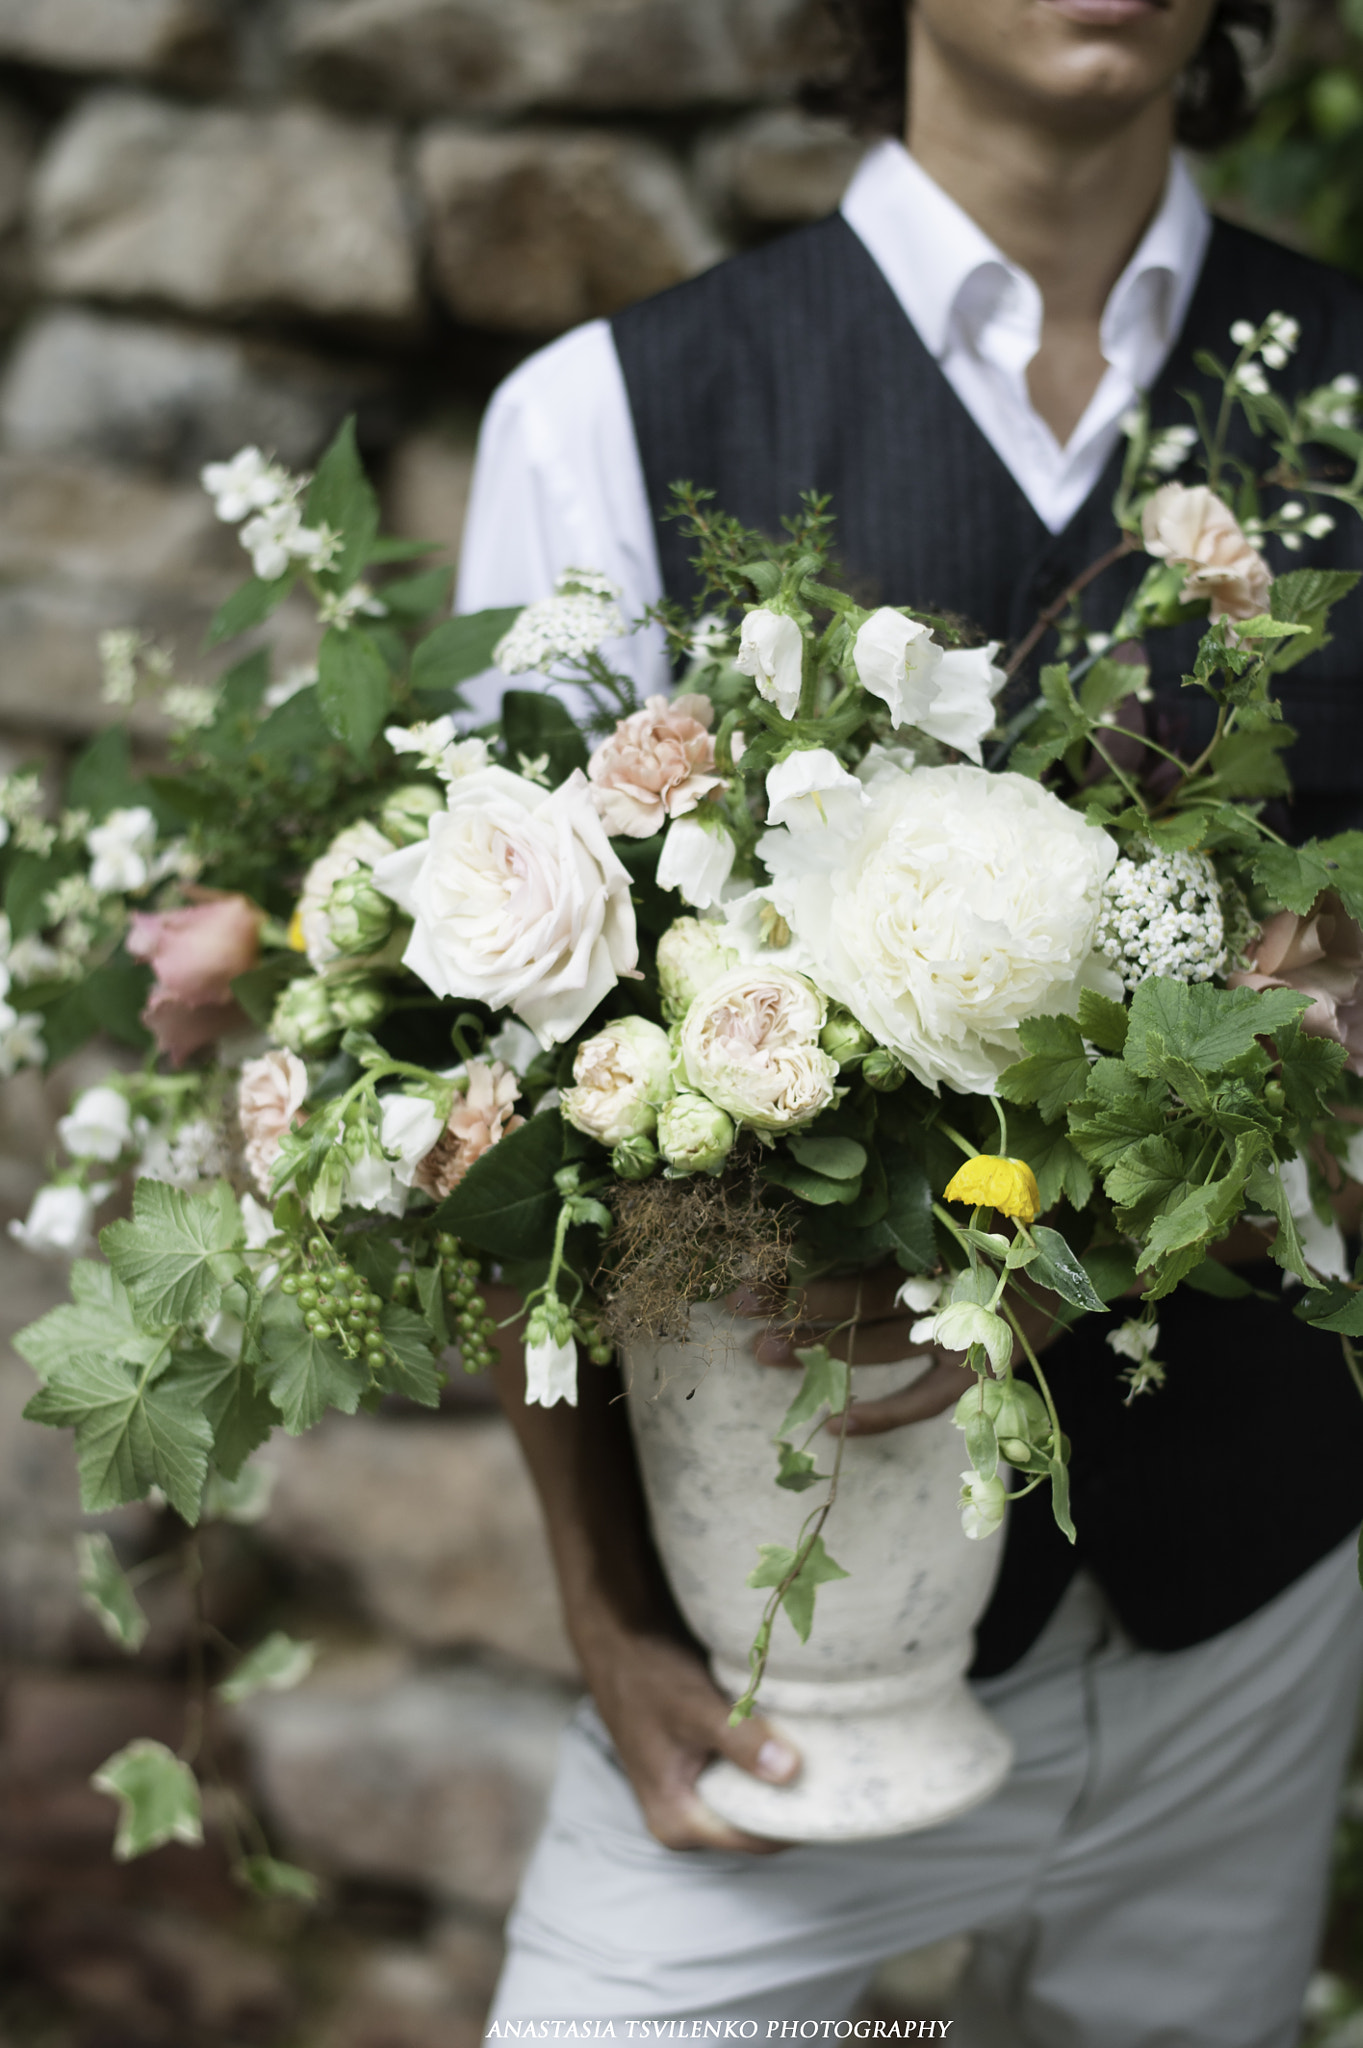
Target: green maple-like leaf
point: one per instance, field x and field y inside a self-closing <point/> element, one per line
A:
<point x="239" y="1413"/>
<point x="98" y="1317"/>
<point x="410" y="1369"/>
<point x="1117" y="1111"/>
<point x="817" y="1570"/>
<point x="304" y="1375"/>
<point x="135" y="1428"/>
<point x="1212" y="1029"/>
<point x="1055" y="1071"/>
<point x="158" y="1797"/>
<point x="177" y="1253"/>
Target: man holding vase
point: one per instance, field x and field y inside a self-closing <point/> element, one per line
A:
<point x="950" y="357"/>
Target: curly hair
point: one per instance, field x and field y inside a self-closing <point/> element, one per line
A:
<point x="1213" y="102"/>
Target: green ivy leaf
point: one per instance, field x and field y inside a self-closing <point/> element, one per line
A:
<point x="796" y="1469"/>
<point x="275" y="1665"/>
<point x="817" y="1570"/>
<point x="107" y="1592"/>
<point x="304" y="1375"/>
<point x="270" y="1879"/>
<point x="460" y="649"/>
<point x="411" y="1371"/>
<point x="158" y="1797"/>
<point x="352" y="687"/>
<point x="827" y="1383"/>
<point x="1056" y="1070"/>
<point x="176" y="1254"/>
<point x="133" y="1431"/>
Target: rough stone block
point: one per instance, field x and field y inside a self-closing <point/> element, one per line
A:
<point x="81" y="383"/>
<point x="225" y="212"/>
<point x="427" y="487"/>
<point x="505" y="56"/>
<point x="190" y="40"/>
<point x="537" y="229"/>
<point x="777" y="167"/>
<point x="437" y="1525"/>
<point x="16" y="156"/>
<point x="435" y="1779"/>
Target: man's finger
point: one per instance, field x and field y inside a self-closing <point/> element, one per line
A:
<point x="936" y="1390"/>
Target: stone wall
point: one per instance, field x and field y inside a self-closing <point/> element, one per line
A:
<point x="225" y="221"/>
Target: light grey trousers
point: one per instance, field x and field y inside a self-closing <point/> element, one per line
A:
<point x="1152" y="1874"/>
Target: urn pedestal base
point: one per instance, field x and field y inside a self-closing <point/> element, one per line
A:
<point x="876" y="1702"/>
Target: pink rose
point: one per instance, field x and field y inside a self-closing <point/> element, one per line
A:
<point x="478" y="1119"/>
<point x="269" y="1096"/>
<point x="195" y="954"/>
<point x="1322" y="955"/>
<point x="1193" y="528"/>
<point x="656" y="765"/>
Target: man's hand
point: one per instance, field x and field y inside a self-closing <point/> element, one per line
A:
<point x="668" y="1721"/>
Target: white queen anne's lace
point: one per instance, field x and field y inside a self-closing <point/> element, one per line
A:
<point x="1163" y="915"/>
<point x="568" y="626"/>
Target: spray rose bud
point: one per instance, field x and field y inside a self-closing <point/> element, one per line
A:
<point x="694" y="1136"/>
<point x="359" y="919"/>
<point x="884" y="1071"/>
<point x="303" y="1017"/>
<point x="407" y="812"/>
<point x="357" y="1004"/>
<point x="622" y="1075"/>
<point x="635" y="1159"/>
<point x="844" y="1039"/>
<point x="690" y="956"/>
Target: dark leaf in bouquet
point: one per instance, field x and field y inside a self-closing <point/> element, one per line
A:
<point x="906" y="1227"/>
<point x="827" y="1383"/>
<point x="507" y="1203"/>
<point x="1215" y="1030"/>
<point x="1343" y="856"/>
<point x="177" y="1252"/>
<point x="1146" y="1178"/>
<point x="1292" y="875"/>
<point x="98" y="1317"/>
<point x="1309" y="1068"/>
<point x="29" y="877"/>
<point x="109" y="1000"/>
<point x="796" y="1470"/>
<point x="538" y="727"/>
<point x="782" y="1172"/>
<point x="460" y="649"/>
<point x="1223" y="1283"/>
<point x="430" y="1292"/>
<point x="239" y="1414"/>
<point x="416" y="597"/>
<point x="1059" y="1270"/>
<point x="102" y="777"/>
<point x="342" y="497"/>
<point x="1204" y="1213"/>
<point x="294" y="727"/>
<point x="411" y="1370"/>
<point x="376" y="1259"/>
<point x="1102" y="1021"/>
<point x="1180" y="833"/>
<point x="1060" y="1497"/>
<point x="352" y="687"/>
<point x="1111" y="1269"/>
<point x="837" y="1158"/>
<point x="1109" y="683"/>
<point x="1247" y="764"/>
<point x="1058" y="1167"/>
<point x="818" y="1569"/>
<point x="134" y="1430"/>
<point x="1116" y="1111"/>
<point x="1055" y="1071"/>
<point x="303" y="1374"/>
<point x="250" y="604"/>
<point x="1335" y="1307"/>
<point x="1304" y="597"/>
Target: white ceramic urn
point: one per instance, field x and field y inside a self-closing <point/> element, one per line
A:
<point x="876" y="1701"/>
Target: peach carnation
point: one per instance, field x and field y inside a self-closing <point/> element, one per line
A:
<point x="656" y="765"/>
<point x="480" y="1117"/>
<point x="1322" y="955"/>
<point x="1191" y="527"/>
<point x="269" y="1097"/>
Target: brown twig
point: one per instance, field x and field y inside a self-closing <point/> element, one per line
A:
<point x="1046" y="619"/>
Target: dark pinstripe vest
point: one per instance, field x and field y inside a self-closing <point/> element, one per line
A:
<point x="794" y="367"/>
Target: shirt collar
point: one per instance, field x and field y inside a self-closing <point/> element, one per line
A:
<point x="953" y="282"/>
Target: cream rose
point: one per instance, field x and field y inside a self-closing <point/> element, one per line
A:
<point x="1191" y="527"/>
<point x="622" y="1075"/>
<point x="963" y="903"/>
<point x="749" y="1044"/>
<point x="516" y="901"/>
<point x="656" y="765"/>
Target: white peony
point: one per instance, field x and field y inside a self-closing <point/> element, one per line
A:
<point x="946" y="693"/>
<point x="357" y="846"/>
<point x="811" y="790"/>
<point x="696" y="861"/>
<point x="771" y="649"/>
<point x="121" y="850"/>
<point x="622" y="1075"/>
<point x="517" y="901"/>
<point x="97" y="1126"/>
<point x="749" y="1044"/>
<point x="963" y="903"/>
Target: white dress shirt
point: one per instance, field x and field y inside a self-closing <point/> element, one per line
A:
<point x="558" y="481"/>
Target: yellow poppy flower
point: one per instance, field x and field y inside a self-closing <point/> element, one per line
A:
<point x="989" y="1182"/>
<point x="296" y="940"/>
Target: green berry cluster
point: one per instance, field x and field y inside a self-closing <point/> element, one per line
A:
<point x="474" y="1328"/>
<point x="598" y="1345"/>
<point x="338" y="1303"/>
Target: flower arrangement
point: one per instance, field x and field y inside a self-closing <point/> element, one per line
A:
<point x="828" y="955"/>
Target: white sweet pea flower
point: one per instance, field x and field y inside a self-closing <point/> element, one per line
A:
<point x="696" y="861"/>
<point x="811" y="791"/>
<point x="771" y="649"/>
<point x="409" y="1127"/>
<point x="983" y="1504"/>
<point x="58" y="1222"/>
<point x="968" y="680"/>
<point x="919" y="1294"/>
<point x="551" y="1372"/>
<point x="98" y="1125"/>
<point x="121" y="851"/>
